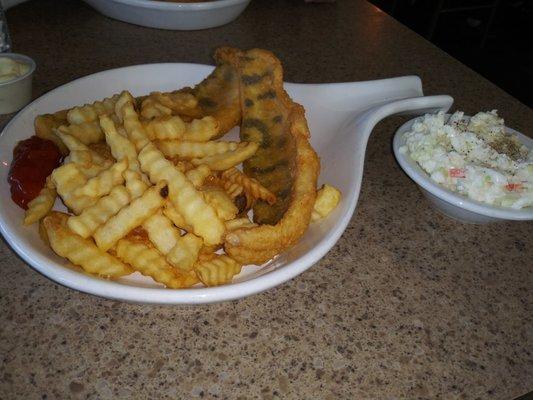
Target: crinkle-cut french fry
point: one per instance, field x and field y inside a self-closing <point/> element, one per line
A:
<point x="92" y="217"/>
<point x="66" y="179"/>
<point x="198" y="175"/>
<point x="79" y="203"/>
<point x="218" y="271"/>
<point x="176" y="101"/>
<point x="150" y="108"/>
<point x="130" y="217"/>
<point x="45" y="125"/>
<point x="42" y="204"/>
<point x="185" y="253"/>
<point x="82" y="158"/>
<point x="207" y="251"/>
<point x="185" y="198"/>
<point x="233" y="189"/>
<point x="327" y="198"/>
<point x="250" y="200"/>
<point x="87" y="132"/>
<point x="91" y="170"/>
<point x="149" y="262"/>
<point x="104" y="182"/>
<point x="250" y="185"/>
<point x="222" y="203"/>
<point x="124" y="97"/>
<point x="201" y="129"/>
<point x="42" y="232"/>
<point x="139" y="235"/>
<point x="122" y="132"/>
<point x="177" y="219"/>
<point x="74" y="144"/>
<point x="238" y="223"/>
<point x="168" y="127"/>
<point x="103" y="150"/>
<point x="191" y="278"/>
<point x="190" y="150"/>
<point x="121" y="147"/>
<point x="135" y="183"/>
<point x="205" y="256"/>
<point x="221" y="162"/>
<point x="90" y="112"/>
<point x="182" y="165"/>
<point x="80" y="251"/>
<point x="172" y="127"/>
<point x="162" y="233"/>
<point x="133" y="127"/>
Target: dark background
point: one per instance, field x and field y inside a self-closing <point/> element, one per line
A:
<point x="493" y="37"/>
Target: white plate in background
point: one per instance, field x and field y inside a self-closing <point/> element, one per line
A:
<point x="171" y="15"/>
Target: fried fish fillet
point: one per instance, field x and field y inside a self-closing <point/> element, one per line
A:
<point x="266" y="109"/>
<point x="285" y="163"/>
<point x="216" y="96"/>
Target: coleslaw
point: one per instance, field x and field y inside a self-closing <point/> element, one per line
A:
<point x="473" y="156"/>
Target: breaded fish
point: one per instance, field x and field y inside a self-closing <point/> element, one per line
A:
<point x="216" y="96"/>
<point x="285" y="163"/>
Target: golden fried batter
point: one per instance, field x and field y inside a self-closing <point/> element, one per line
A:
<point x="265" y="120"/>
<point x="216" y="96"/>
<point x="285" y="163"/>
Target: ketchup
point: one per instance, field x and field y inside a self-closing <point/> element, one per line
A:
<point x="33" y="160"/>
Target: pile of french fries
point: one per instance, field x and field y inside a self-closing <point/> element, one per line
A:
<point x="150" y="191"/>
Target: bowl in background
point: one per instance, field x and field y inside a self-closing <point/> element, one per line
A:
<point x="450" y="203"/>
<point x="171" y="15"/>
<point x="16" y="93"/>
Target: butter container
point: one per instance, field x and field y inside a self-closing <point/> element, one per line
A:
<point x="16" y="74"/>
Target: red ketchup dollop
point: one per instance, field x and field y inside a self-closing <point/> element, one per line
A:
<point x="33" y="160"/>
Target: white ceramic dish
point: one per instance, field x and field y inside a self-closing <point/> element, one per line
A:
<point x="16" y="93"/>
<point x="170" y="15"/>
<point x="450" y="203"/>
<point x="341" y="117"/>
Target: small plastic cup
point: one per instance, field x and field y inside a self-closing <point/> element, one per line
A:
<point x="16" y="93"/>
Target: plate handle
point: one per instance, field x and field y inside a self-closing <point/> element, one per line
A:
<point x="360" y="126"/>
<point x="366" y="121"/>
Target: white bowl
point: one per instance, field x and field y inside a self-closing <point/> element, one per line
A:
<point x="16" y="93"/>
<point x="170" y="15"/>
<point x="450" y="203"/>
<point x="341" y="117"/>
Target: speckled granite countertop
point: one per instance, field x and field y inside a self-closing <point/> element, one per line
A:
<point x="408" y="304"/>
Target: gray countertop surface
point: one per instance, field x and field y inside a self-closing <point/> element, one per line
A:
<point x="408" y="304"/>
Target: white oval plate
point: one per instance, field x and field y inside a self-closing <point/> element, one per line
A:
<point x="341" y="117"/>
<point x="171" y="15"/>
